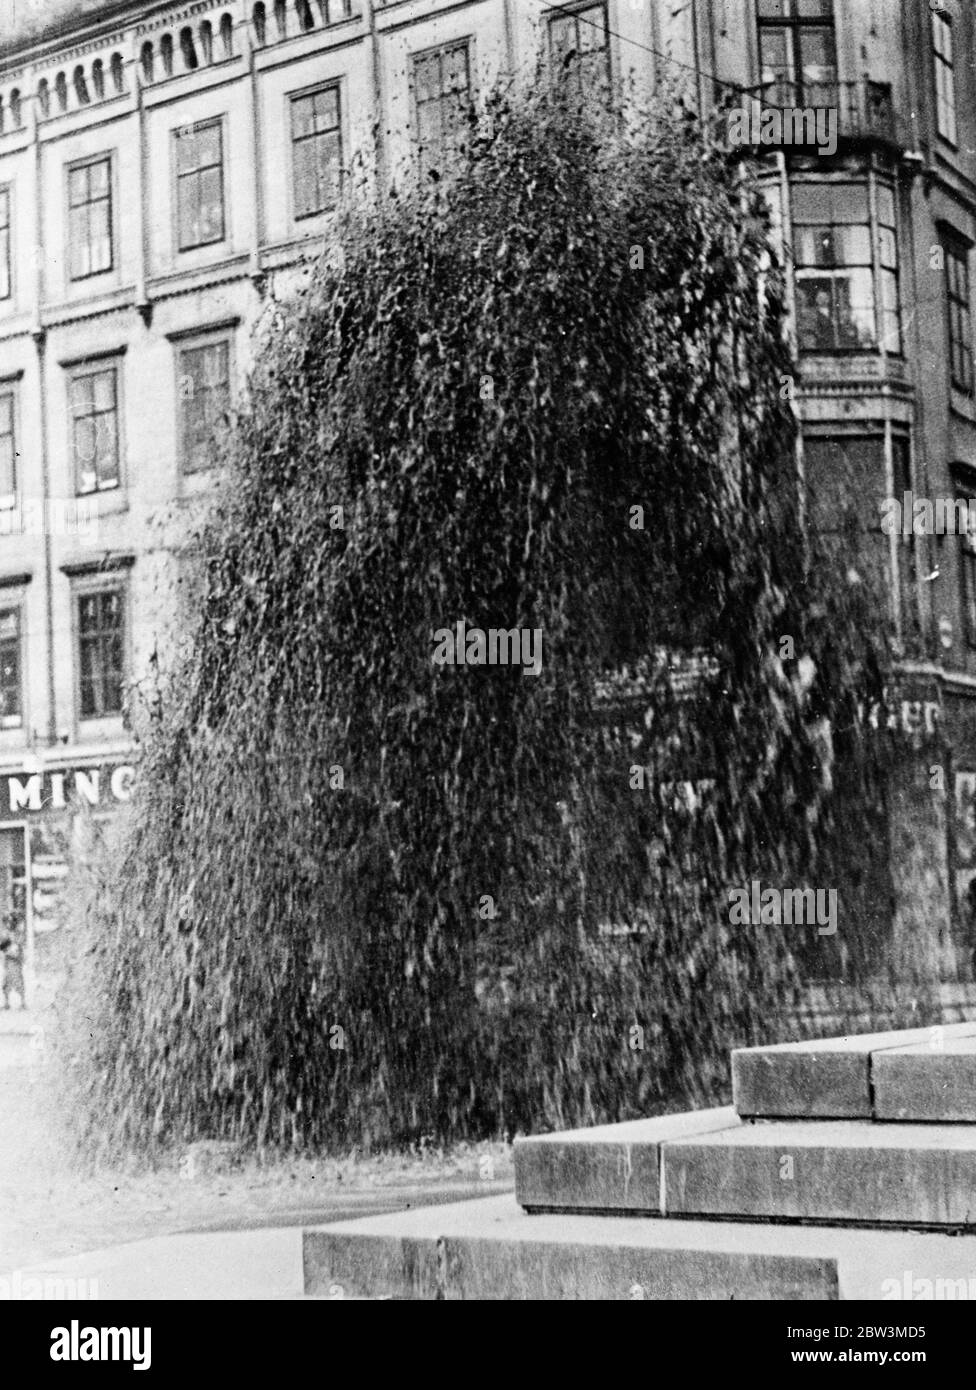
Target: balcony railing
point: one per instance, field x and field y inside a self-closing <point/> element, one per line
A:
<point x="865" y="109"/>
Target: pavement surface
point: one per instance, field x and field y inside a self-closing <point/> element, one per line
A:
<point x="154" y="1234"/>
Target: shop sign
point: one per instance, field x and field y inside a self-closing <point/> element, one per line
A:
<point x="58" y="789"/>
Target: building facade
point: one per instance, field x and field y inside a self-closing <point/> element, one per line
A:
<point x="169" y="171"/>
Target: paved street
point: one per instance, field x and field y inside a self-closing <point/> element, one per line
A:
<point x="154" y="1235"/>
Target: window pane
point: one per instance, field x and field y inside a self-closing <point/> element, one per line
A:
<point x="855" y="309"/>
<point x="80" y="259"/>
<point x="185" y="151"/>
<point x="8" y="482"/>
<point x="328" y="170"/>
<point x="103" y="390"/>
<point x="817" y="61"/>
<point x="886" y="206"/>
<point x="592" y="29"/>
<point x="212" y="205"/>
<point x="98" y="179"/>
<point x="82" y="393"/>
<point x="776" y="60"/>
<point x="207" y="143"/>
<point x="327" y="109"/>
<point x="302" y="116"/>
<point x="852" y="245"/>
<point x="189" y="213"/>
<point x="427" y="82"/>
<point x="455" y="70"/>
<point x="887" y="250"/>
<point x="106" y="444"/>
<point x="87" y="613"/>
<point x="562" y="35"/>
<point x="429" y="124"/>
<point x="101" y="241"/>
<point x="848" y="202"/>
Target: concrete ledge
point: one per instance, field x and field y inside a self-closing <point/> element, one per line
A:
<point x="839" y="1171"/>
<point x="490" y="1251"/>
<point x="607" y="1168"/>
<point x="826" y="1078"/>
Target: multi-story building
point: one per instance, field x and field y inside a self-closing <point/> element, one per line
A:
<point x="168" y="169"/>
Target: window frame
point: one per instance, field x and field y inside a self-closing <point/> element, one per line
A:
<point x="796" y="24"/>
<point x="467" y="42"/>
<point x="942" y="24"/>
<point x="291" y="99"/>
<point x="199" y="342"/>
<point x="7" y="243"/>
<point x="10" y="386"/>
<point x="573" y="12"/>
<point x="115" y="580"/>
<point x="803" y="271"/>
<point x="88" y="162"/>
<point x="15" y="605"/>
<point x="90" y="367"/>
<point x="966" y="552"/>
<point x="178" y="133"/>
<point x="956" y="249"/>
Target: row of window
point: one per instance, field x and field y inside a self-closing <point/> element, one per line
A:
<point x="94" y="401"/>
<point x="200" y="187"/>
<point x="100" y="637"/>
<point x="442" y="91"/>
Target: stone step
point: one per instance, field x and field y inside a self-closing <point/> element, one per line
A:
<point x="607" y="1168"/>
<point x="490" y="1249"/>
<point x="926" y="1083"/>
<point x="833" y="1078"/>
<point x="908" y="1175"/>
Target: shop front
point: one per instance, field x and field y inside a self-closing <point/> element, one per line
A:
<point x="47" y="813"/>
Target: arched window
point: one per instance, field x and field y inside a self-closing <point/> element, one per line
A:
<point x="306" y="20"/>
<point x="16" y="112"/>
<point x="61" y="91"/>
<point x="44" y="98"/>
<point x="188" y="49"/>
<point x="166" y="53"/>
<point x="281" y="18"/>
<point x="260" y="20"/>
<point x="81" y="86"/>
<point x="227" y="35"/>
<point x="98" y="78"/>
<point x="118" y="72"/>
<point x="146" y="62"/>
<point x="206" y="41"/>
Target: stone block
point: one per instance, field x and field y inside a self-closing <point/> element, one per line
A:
<point x="926" y="1083"/>
<point x="607" y="1168"/>
<point x="825" y="1078"/>
<point x="835" y="1171"/>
